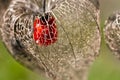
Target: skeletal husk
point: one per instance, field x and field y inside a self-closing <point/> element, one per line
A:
<point x="112" y="33"/>
<point x="78" y="41"/>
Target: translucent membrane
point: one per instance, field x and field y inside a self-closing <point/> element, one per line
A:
<point x="62" y="42"/>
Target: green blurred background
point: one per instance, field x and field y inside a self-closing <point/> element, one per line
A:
<point x="106" y="67"/>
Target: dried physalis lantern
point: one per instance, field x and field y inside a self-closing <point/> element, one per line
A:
<point x="112" y="33"/>
<point x="53" y="37"/>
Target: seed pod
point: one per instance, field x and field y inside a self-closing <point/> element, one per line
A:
<point x="59" y="38"/>
<point x="112" y="33"/>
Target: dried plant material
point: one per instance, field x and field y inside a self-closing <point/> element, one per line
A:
<point x="112" y="33"/>
<point x="74" y="32"/>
